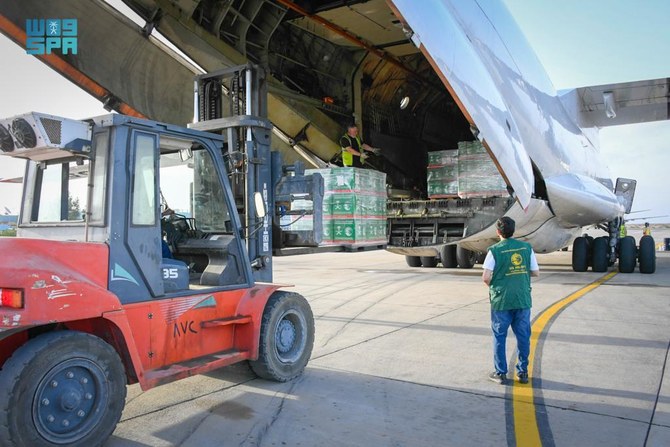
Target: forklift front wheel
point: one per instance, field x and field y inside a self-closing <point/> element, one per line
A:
<point x="61" y="388"/>
<point x="287" y="337"/>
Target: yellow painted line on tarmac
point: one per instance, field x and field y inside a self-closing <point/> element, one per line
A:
<point x="525" y="423"/>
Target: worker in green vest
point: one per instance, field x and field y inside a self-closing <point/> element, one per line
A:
<point x="622" y="230"/>
<point x="353" y="149"/>
<point x="508" y="266"/>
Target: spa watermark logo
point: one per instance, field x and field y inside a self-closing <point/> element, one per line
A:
<point x="43" y="36"/>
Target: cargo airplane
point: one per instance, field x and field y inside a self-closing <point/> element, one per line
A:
<point x="418" y="76"/>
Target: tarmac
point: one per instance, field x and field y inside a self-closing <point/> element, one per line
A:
<point x="401" y="358"/>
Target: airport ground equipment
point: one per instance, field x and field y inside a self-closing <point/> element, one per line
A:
<point x="144" y="256"/>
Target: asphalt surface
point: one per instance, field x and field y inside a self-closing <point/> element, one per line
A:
<point x="401" y="358"/>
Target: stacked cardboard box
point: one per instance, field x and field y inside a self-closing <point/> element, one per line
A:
<point x="478" y="176"/>
<point x="354" y="206"/>
<point x="443" y="174"/>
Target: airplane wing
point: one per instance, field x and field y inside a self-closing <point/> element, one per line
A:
<point x="617" y="104"/>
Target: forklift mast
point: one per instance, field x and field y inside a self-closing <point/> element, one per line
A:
<point x="232" y="102"/>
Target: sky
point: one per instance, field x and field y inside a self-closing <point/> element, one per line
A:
<point x="579" y="43"/>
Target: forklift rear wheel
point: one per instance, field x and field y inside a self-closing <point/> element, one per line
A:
<point x="466" y="258"/>
<point x="429" y="261"/>
<point x="647" y="255"/>
<point x="627" y="254"/>
<point x="61" y="388"/>
<point x="413" y="261"/>
<point x="448" y="256"/>
<point x="599" y="254"/>
<point x="287" y="337"/>
<point x="580" y="254"/>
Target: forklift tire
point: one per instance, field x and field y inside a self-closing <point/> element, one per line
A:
<point x="647" y="255"/>
<point x="627" y="254"/>
<point x="429" y="261"/>
<point x="413" y="261"/>
<point x="61" y="388"/>
<point x="287" y="337"/>
<point x="599" y="252"/>
<point x="466" y="258"/>
<point x="448" y="256"/>
<point x="580" y="254"/>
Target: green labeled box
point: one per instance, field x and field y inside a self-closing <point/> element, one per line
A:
<point x="350" y="204"/>
<point x="442" y="158"/>
<point x="353" y="231"/>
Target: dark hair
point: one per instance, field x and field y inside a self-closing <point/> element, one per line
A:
<point x="506" y="226"/>
<point x="646" y="224"/>
<point x="350" y="125"/>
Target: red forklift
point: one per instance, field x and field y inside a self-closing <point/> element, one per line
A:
<point x="144" y="256"/>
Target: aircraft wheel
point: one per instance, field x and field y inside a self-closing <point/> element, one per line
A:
<point x="599" y="253"/>
<point x="580" y="254"/>
<point x="413" y="261"/>
<point x="448" y="256"/>
<point x="466" y="258"/>
<point x="61" y="388"/>
<point x="429" y="261"/>
<point x="481" y="257"/>
<point x="627" y="254"/>
<point x="647" y="255"/>
<point x="287" y="337"/>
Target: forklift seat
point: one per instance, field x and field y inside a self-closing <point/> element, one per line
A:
<point x="215" y="248"/>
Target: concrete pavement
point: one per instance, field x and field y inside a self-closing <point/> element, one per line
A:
<point x="401" y="357"/>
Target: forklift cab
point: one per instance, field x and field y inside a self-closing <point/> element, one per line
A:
<point x="158" y="196"/>
<point x="132" y="265"/>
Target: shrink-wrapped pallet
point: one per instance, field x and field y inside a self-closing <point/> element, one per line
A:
<point x="478" y="176"/>
<point x="354" y="210"/>
<point x="442" y="174"/>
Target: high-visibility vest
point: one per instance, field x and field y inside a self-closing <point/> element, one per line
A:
<point x="622" y="231"/>
<point x="646" y="231"/>
<point x="348" y="157"/>
<point x="510" y="283"/>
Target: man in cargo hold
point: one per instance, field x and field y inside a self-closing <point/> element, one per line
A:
<point x="508" y="266"/>
<point x="353" y="149"/>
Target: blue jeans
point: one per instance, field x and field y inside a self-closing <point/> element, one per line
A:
<point x="501" y="320"/>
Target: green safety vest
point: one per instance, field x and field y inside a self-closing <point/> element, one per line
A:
<point x="622" y="231"/>
<point x="510" y="283"/>
<point x="348" y="157"/>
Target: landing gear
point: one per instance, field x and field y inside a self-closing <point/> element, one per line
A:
<point x="448" y="256"/>
<point x="627" y="254"/>
<point x="647" y="255"/>
<point x="580" y="254"/>
<point x="600" y="254"/>
<point x="466" y="258"/>
<point x="413" y="261"/>
<point x="429" y="261"/>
